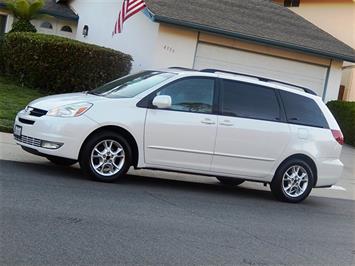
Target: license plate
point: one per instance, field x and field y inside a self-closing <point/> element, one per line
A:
<point x="17" y="131"/>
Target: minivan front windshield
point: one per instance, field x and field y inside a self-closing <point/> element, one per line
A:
<point x="132" y="85"/>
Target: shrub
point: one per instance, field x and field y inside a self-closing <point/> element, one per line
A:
<point x="1" y="54"/>
<point x="23" y="25"/>
<point x="56" y="64"/>
<point x="344" y="113"/>
<point x="24" y="11"/>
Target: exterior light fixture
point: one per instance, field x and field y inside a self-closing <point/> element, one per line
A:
<point x="86" y="31"/>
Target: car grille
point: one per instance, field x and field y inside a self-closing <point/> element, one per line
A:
<point x="29" y="140"/>
<point x="38" y="112"/>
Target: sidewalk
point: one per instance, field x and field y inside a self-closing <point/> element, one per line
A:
<point x="344" y="189"/>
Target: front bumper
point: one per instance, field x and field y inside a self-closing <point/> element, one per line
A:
<point x="69" y="132"/>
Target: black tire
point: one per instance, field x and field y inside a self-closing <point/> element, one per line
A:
<point x="230" y="181"/>
<point x="61" y="161"/>
<point x="87" y="149"/>
<point x="278" y="183"/>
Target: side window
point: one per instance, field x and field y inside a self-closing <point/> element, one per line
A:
<point x="249" y="100"/>
<point x="302" y="110"/>
<point x="46" y="25"/>
<point x="66" y="29"/>
<point x="191" y="95"/>
<point x="292" y="3"/>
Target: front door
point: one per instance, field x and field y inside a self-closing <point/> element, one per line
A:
<point x="251" y="136"/>
<point x="183" y="136"/>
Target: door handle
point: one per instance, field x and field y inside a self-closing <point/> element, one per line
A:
<point x="226" y="123"/>
<point x="208" y="122"/>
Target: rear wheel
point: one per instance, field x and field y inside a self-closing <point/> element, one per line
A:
<point x="230" y="181"/>
<point x="293" y="181"/>
<point x="106" y="157"/>
<point x="61" y="161"/>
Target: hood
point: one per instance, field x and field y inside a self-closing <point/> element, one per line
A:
<point x="50" y="102"/>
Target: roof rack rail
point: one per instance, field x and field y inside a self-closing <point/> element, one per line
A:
<point x="183" y="68"/>
<point x="211" y="70"/>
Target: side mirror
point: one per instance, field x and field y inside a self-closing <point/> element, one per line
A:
<point x="162" y="101"/>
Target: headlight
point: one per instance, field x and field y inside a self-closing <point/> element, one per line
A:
<point x="70" y="110"/>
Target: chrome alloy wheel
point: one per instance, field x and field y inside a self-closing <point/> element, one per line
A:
<point x="295" y="181"/>
<point x="107" y="157"/>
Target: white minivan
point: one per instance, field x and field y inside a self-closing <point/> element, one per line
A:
<point x="232" y="126"/>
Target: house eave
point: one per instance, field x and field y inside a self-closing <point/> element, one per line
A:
<point x="60" y="16"/>
<point x="199" y="27"/>
<point x="54" y="14"/>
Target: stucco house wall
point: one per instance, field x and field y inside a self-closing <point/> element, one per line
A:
<point x="57" y="25"/>
<point x="336" y="17"/>
<point x="174" y="46"/>
<point x="139" y="34"/>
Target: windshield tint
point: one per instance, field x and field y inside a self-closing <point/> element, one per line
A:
<point x="132" y="85"/>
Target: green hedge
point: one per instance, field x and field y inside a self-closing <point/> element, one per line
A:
<point x="56" y="64"/>
<point x="344" y="113"/>
<point x="1" y="54"/>
<point x="23" y="25"/>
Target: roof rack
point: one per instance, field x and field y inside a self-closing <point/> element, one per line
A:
<point x="211" y="70"/>
<point x="183" y="68"/>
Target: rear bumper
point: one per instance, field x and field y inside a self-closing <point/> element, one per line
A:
<point x="329" y="172"/>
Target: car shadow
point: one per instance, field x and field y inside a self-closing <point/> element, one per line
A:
<point x="49" y="171"/>
<point x="192" y="186"/>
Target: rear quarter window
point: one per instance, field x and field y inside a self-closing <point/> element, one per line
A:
<point x="302" y="110"/>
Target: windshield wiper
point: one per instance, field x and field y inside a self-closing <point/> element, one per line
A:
<point x="93" y="93"/>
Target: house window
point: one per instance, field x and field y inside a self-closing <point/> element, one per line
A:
<point x="66" y="29"/>
<point x="3" y="20"/>
<point x="46" y="25"/>
<point x="292" y="3"/>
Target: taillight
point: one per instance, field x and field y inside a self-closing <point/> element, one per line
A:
<point x="338" y="136"/>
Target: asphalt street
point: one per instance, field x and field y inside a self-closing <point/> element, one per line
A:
<point x="53" y="215"/>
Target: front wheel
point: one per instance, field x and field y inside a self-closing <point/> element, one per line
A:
<point x="106" y="157"/>
<point x="293" y="181"/>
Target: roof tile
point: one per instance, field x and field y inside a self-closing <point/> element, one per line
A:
<point x="256" y="20"/>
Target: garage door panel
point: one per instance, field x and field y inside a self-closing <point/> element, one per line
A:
<point x="303" y="74"/>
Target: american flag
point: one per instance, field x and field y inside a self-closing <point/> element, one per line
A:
<point x="129" y="8"/>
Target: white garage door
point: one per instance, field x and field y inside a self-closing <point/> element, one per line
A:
<point x="303" y="74"/>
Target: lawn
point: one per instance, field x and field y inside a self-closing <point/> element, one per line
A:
<point x="13" y="98"/>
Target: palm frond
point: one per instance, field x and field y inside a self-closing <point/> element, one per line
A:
<point x="35" y="7"/>
<point x="24" y="9"/>
<point x="11" y="5"/>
